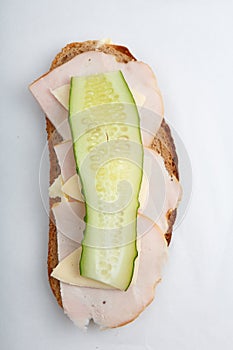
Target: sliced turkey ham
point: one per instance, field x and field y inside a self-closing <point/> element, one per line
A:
<point x="163" y="192"/>
<point x="113" y="308"/>
<point x="69" y="219"/>
<point x="65" y="156"/>
<point x="138" y="76"/>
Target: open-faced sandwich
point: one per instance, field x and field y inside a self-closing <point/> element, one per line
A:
<point x="114" y="182"/>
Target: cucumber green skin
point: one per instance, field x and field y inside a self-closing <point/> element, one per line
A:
<point x="91" y="253"/>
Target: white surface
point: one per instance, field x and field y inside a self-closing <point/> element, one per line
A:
<point x="189" y="46"/>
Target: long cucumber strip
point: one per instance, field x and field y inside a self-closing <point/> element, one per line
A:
<point x="108" y="152"/>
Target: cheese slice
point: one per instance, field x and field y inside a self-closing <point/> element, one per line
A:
<point x="139" y="98"/>
<point x="55" y="190"/>
<point x="62" y="95"/>
<point x="67" y="271"/>
<point x="72" y="188"/>
<point x="103" y="42"/>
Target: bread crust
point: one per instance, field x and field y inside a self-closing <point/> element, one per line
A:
<point x="163" y="143"/>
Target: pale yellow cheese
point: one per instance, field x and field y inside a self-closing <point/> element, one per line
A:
<point x="67" y="271"/>
<point x="144" y="190"/>
<point x="55" y="190"/>
<point x="72" y="188"/>
<point x="103" y="42"/>
<point x="62" y="95"/>
<point x="139" y="98"/>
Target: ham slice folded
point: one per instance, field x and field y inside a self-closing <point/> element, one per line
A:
<point x="65" y="156"/>
<point x="69" y="218"/>
<point x="138" y="76"/>
<point x="114" y="308"/>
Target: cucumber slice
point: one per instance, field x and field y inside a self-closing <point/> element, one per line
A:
<point x="108" y="152"/>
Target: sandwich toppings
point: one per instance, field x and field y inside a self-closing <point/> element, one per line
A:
<point x="115" y="191"/>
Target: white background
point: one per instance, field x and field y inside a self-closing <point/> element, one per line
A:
<point x="189" y="46"/>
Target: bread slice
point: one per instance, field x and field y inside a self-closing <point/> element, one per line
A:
<point x="163" y="143"/>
